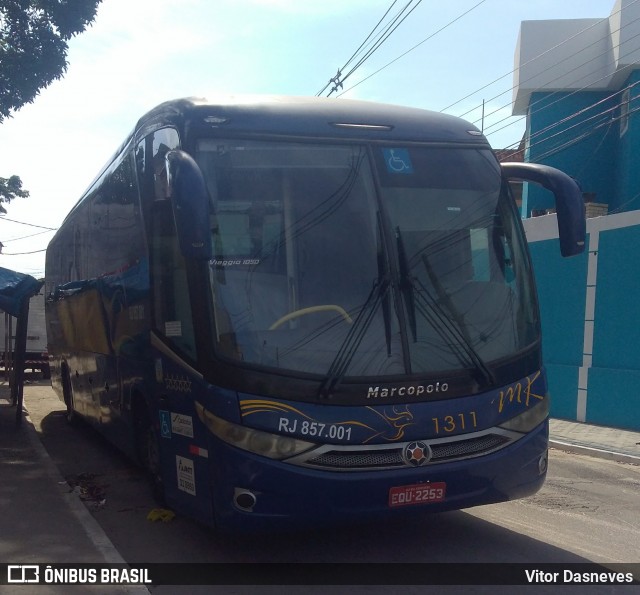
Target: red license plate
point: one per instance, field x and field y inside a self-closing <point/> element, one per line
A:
<point x="418" y="493"/>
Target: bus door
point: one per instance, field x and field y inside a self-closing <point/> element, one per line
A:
<point x="183" y="449"/>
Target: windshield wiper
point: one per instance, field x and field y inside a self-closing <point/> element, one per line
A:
<point x="448" y="323"/>
<point x="354" y="338"/>
<point x="379" y="294"/>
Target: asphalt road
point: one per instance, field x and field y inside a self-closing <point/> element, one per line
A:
<point x="586" y="512"/>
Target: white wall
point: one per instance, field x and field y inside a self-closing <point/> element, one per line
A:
<point x="589" y="54"/>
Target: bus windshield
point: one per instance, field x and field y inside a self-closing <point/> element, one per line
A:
<point x="364" y="261"/>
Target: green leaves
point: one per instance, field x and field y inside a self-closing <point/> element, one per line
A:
<point x="33" y="45"/>
<point x="11" y="188"/>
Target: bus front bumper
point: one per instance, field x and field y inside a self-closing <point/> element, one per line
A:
<point x="255" y="493"/>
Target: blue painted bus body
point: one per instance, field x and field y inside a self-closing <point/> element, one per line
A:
<point x="359" y="340"/>
<point x="477" y="460"/>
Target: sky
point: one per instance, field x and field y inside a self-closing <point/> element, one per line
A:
<point x="446" y="56"/>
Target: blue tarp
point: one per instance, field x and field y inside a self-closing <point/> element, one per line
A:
<point x="14" y="288"/>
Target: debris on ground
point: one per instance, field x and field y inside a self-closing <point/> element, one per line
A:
<point x="87" y="487"/>
<point x="161" y="514"/>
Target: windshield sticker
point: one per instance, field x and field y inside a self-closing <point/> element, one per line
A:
<point x="173" y="328"/>
<point x="398" y="161"/>
<point x="221" y="262"/>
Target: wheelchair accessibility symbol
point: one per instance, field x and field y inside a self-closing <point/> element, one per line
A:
<point x="398" y="161"/>
<point x="165" y="424"/>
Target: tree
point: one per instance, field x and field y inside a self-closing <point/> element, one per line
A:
<point x="11" y="188"/>
<point x="33" y="53"/>
<point x="33" y="45"/>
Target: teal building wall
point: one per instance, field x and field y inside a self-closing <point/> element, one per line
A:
<point x="590" y="311"/>
<point x="576" y="133"/>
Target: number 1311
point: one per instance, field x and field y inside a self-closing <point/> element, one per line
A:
<point x="451" y="423"/>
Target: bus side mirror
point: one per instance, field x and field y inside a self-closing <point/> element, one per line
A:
<point x="190" y="200"/>
<point x="572" y="226"/>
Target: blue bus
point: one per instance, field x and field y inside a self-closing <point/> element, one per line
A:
<point x="296" y="311"/>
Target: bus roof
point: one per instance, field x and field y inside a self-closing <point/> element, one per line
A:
<point x="302" y="117"/>
<point x="317" y="117"/>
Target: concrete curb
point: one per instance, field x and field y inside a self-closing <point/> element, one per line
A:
<point x="91" y="527"/>
<point x="594" y="452"/>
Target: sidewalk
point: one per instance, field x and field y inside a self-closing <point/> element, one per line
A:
<point x="597" y="441"/>
<point x="44" y="522"/>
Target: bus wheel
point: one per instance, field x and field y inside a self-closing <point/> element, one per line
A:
<point x="67" y="392"/>
<point x="148" y="446"/>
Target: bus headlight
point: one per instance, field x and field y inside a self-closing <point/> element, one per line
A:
<point x="532" y="417"/>
<point x="258" y="442"/>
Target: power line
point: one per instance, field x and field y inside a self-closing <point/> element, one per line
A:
<point x="377" y="46"/>
<point x="607" y="122"/>
<point x="587" y="134"/>
<point x="514" y="145"/>
<point x="564" y="96"/>
<point x="364" y="43"/>
<point x="414" y="47"/>
<point x="555" y="79"/>
<point x="567" y="143"/>
<point x="529" y="61"/>
<point x="556" y="101"/>
<point x="551" y="127"/>
<point x="399" y="18"/>
<point x="22" y="253"/>
<point x="336" y="79"/>
<point x="39" y="233"/>
<point x="555" y="125"/>
<point x="29" y="224"/>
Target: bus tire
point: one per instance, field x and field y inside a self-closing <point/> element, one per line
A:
<point x="67" y="392"/>
<point x="148" y="449"/>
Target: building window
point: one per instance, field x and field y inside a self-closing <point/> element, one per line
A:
<point x="624" y="112"/>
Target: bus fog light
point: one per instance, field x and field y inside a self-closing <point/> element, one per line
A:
<point x="244" y="499"/>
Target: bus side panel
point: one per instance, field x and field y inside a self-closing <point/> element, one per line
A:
<point x="98" y="305"/>
<point x="184" y="448"/>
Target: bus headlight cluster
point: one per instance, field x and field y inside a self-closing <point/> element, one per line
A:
<point x="256" y="441"/>
<point x="532" y="417"/>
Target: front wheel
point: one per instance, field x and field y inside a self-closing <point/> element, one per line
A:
<point x="148" y="447"/>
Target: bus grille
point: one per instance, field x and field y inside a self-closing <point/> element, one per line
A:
<point x="350" y="459"/>
<point x="365" y="458"/>
<point x="464" y="448"/>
